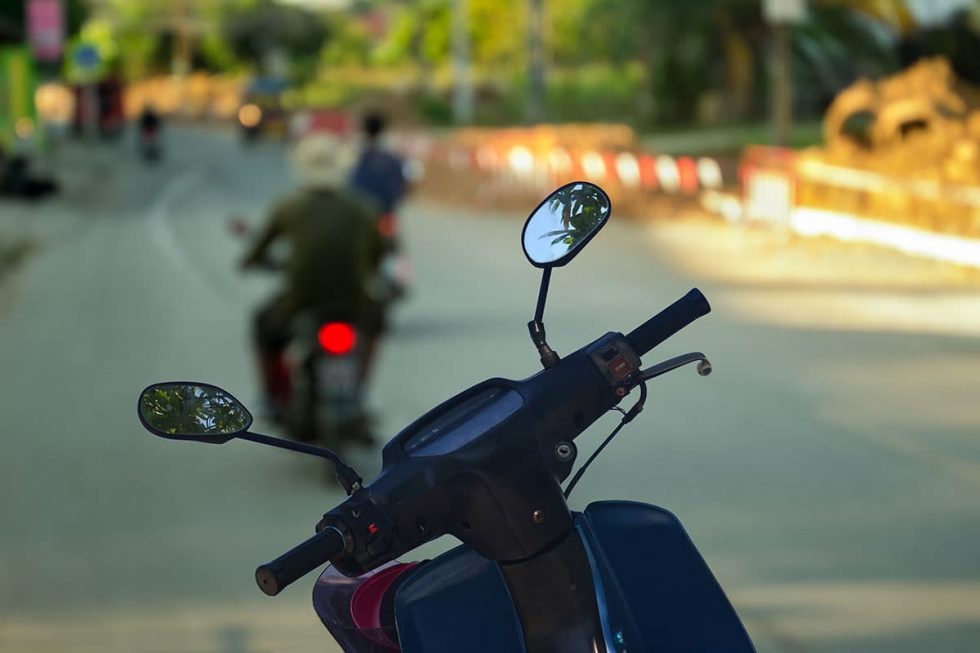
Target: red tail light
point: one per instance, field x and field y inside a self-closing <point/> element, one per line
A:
<point x="337" y="338"/>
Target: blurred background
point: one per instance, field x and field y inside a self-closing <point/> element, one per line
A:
<point x="812" y="166"/>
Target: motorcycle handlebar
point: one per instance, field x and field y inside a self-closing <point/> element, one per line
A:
<point x="330" y="543"/>
<point x="668" y="321"/>
<point x="273" y="577"/>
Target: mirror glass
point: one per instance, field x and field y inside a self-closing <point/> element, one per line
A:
<point x="192" y="411"/>
<point x="564" y="223"/>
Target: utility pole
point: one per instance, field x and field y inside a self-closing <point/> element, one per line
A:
<point x="782" y="84"/>
<point x="536" y="70"/>
<point x="183" y="49"/>
<point x="462" y="72"/>
<point x="181" y="62"/>
<point x="781" y="15"/>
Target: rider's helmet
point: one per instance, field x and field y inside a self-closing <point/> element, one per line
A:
<point x="323" y="160"/>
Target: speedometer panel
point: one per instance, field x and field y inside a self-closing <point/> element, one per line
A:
<point x="464" y="423"/>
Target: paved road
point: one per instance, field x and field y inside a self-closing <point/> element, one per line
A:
<point x="830" y="476"/>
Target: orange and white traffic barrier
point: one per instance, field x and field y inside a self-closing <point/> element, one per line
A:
<point x="594" y="166"/>
<point x="512" y="165"/>
<point x="628" y="170"/>
<point x="709" y="174"/>
<point x="668" y="176"/>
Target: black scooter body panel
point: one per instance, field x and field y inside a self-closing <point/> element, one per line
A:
<point x="654" y="590"/>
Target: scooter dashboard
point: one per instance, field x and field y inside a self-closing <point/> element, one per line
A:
<point x="463" y="423"/>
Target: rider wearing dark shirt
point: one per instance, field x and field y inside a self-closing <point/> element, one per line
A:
<point x="334" y="248"/>
<point x="149" y="120"/>
<point x="379" y="174"/>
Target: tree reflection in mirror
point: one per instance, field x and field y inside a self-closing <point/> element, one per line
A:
<point x="564" y="222"/>
<point x="192" y="410"/>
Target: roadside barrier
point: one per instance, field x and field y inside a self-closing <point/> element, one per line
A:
<point x="809" y="197"/>
<point x="523" y="168"/>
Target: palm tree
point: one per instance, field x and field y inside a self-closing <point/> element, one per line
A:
<point x="581" y="208"/>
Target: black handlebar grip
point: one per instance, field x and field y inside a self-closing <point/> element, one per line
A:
<point x="668" y="321"/>
<point x="275" y="576"/>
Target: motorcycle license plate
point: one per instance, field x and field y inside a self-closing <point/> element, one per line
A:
<point x="338" y="375"/>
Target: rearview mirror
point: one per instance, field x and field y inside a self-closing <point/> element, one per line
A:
<point x="564" y="223"/>
<point x="192" y="411"/>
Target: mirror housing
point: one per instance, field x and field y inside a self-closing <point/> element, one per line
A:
<point x="202" y="412"/>
<point x="564" y="223"/>
<point x="192" y="411"/>
<point x="554" y="233"/>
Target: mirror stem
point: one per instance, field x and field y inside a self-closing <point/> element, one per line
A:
<point x="349" y="479"/>
<point x="549" y="358"/>
<point x="542" y="297"/>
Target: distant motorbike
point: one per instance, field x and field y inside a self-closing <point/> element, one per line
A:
<point x="487" y="467"/>
<point x="149" y="144"/>
<point x="321" y="375"/>
<point x="323" y="381"/>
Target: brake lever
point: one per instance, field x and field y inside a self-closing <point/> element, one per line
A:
<point x="704" y="365"/>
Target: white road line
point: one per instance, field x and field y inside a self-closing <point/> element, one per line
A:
<point x="161" y="230"/>
<point x="159" y="211"/>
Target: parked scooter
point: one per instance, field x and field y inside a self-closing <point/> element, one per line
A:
<point x="487" y="466"/>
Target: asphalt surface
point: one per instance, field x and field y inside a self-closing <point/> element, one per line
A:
<point x="829" y="475"/>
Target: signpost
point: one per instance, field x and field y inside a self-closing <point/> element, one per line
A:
<point x="85" y="63"/>
<point x="85" y="66"/>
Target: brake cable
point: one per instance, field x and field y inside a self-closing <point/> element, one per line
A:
<point x="628" y="417"/>
<point x="704" y="369"/>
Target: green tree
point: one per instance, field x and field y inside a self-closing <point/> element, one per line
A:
<point x="189" y="409"/>
<point x="256" y="30"/>
<point x="348" y="43"/>
<point x="580" y="209"/>
<point x="420" y="33"/>
<point x="221" y="35"/>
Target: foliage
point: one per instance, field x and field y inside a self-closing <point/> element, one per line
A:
<point x="499" y="30"/>
<point x="958" y="41"/>
<point x="349" y="43"/>
<point x="224" y="35"/>
<point x="254" y="29"/>
<point x="434" y="108"/>
<point x="580" y="208"/>
<point x="836" y="46"/>
<point x="187" y="409"/>
<point x="421" y="32"/>
<point x="595" y="91"/>
<point x="660" y="62"/>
